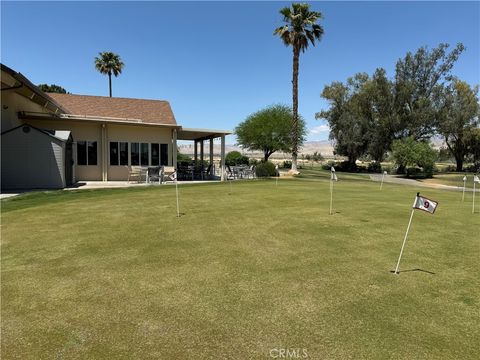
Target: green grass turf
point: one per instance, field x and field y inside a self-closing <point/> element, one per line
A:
<point x="249" y="267"/>
<point x="452" y="179"/>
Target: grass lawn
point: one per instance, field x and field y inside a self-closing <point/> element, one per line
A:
<point x="452" y="179"/>
<point x="113" y="274"/>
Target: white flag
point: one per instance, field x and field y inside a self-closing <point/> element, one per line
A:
<point x="422" y="203"/>
<point x="333" y="176"/>
<point x="385" y="172"/>
<point x="476" y="179"/>
<point x="465" y="178"/>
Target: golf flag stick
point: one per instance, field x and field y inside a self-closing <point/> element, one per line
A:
<point x="475" y="180"/>
<point x="331" y="196"/>
<point x="464" y="184"/>
<point x="383" y="176"/>
<point x="176" y="190"/>
<point x="420" y="203"/>
<point x="333" y="177"/>
<point x="277" y="174"/>
<point x="405" y="238"/>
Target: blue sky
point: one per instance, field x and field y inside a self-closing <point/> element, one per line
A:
<point x="217" y="62"/>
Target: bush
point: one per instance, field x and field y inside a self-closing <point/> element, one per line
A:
<point x="265" y="169"/>
<point x="328" y="165"/>
<point x="287" y="164"/>
<point x="235" y="158"/>
<point x="183" y="160"/>
<point x="374" y="167"/>
<point x="347" y="167"/>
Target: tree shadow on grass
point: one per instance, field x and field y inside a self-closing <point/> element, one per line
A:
<point x="420" y="270"/>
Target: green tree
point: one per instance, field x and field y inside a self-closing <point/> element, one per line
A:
<point x="409" y="152"/>
<point x="300" y="28"/>
<point x="234" y="158"/>
<point x="108" y="63"/>
<point x="269" y="130"/>
<point x="378" y="107"/>
<point x="52" y="88"/>
<point x="459" y="113"/>
<point x="349" y="127"/>
<point x="472" y="139"/>
<point x="419" y="80"/>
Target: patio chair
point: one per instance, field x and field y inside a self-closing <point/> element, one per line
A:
<point x="229" y="172"/>
<point x="155" y="173"/>
<point x="207" y="172"/>
<point x="249" y="172"/>
<point x="134" y="172"/>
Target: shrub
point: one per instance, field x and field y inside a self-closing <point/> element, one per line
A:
<point x="287" y="164"/>
<point x="183" y="160"/>
<point x="265" y="169"/>
<point x="374" y="167"/>
<point x="235" y="158"/>
<point x="328" y="165"/>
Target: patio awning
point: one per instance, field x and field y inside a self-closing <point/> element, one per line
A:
<point x="200" y="134"/>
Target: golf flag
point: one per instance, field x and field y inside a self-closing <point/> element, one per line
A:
<point x="333" y="175"/>
<point x="476" y="179"/>
<point x="383" y="177"/>
<point x="465" y="178"/>
<point x="464" y="185"/>
<point x="422" y="203"/>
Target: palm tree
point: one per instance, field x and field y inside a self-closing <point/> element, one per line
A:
<point x="300" y="28"/>
<point x="109" y="63"/>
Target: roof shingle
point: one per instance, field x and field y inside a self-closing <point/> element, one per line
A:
<point x="148" y="111"/>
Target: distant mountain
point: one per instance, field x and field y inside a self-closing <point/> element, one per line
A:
<point x="309" y="147"/>
<point x="324" y="147"/>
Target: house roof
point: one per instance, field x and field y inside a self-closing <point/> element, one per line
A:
<point x="127" y="109"/>
<point x="20" y="84"/>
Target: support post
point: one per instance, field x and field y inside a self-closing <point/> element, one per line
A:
<point x="222" y="158"/>
<point x="174" y="149"/>
<point x="201" y="153"/>
<point x="212" y="168"/>
<point x="195" y="152"/>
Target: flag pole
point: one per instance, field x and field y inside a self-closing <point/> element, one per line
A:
<point x="277" y="175"/>
<point x="383" y="176"/>
<point x="406" y="235"/>
<point x="464" y="183"/>
<point x="176" y="190"/>
<point x="473" y="203"/>
<point x="331" y="195"/>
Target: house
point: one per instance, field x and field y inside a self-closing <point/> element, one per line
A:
<point x="106" y="135"/>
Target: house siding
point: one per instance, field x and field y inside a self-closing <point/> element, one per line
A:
<point x="32" y="160"/>
<point x="84" y="131"/>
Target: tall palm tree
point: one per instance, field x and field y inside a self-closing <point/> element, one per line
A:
<point x="109" y="63"/>
<point x="300" y="28"/>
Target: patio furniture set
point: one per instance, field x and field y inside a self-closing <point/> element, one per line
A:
<point x="240" y="172"/>
<point x="151" y="174"/>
